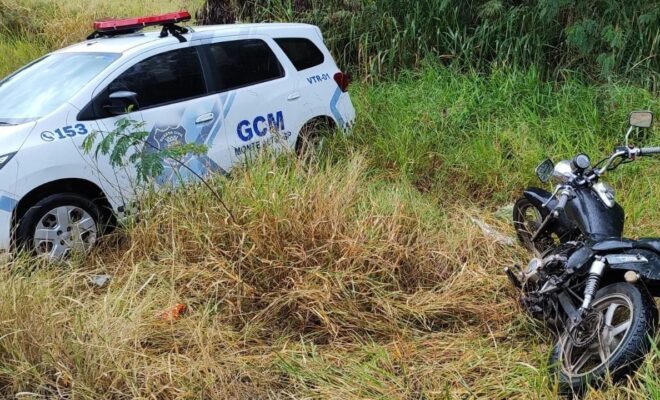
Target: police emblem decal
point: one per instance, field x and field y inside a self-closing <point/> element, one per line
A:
<point x="163" y="137"/>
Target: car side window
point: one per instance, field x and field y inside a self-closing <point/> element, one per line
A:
<point x="164" y="78"/>
<point x="302" y="52"/>
<point x="240" y="63"/>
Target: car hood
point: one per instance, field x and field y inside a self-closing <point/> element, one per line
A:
<point x="12" y="137"/>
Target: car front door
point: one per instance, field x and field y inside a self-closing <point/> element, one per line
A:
<point x="172" y="104"/>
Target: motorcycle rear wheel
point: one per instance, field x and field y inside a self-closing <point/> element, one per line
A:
<point x="629" y="319"/>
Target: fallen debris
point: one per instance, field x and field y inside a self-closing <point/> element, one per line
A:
<point x="174" y="313"/>
<point x="505" y="212"/>
<point x="100" y="281"/>
<point x="494" y="234"/>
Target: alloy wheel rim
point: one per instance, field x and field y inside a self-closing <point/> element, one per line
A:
<point x="617" y="313"/>
<point x="64" y="229"/>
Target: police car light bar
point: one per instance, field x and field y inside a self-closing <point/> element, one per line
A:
<point x="114" y="27"/>
<point x="109" y="25"/>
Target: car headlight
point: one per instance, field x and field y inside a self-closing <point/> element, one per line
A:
<point x="4" y="159"/>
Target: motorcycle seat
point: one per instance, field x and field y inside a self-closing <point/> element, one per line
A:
<point x="649" y="243"/>
<point x="652" y="244"/>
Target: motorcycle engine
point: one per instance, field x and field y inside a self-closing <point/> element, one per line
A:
<point x="541" y="278"/>
<point x="553" y="263"/>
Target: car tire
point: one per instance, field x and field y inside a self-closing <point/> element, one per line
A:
<point x="58" y="224"/>
<point x="311" y="136"/>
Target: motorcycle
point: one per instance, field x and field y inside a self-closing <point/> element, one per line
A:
<point x="593" y="287"/>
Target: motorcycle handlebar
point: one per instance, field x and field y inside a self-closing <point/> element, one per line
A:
<point x="563" y="200"/>
<point x="649" y="151"/>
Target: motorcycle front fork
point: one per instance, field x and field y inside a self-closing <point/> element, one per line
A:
<point x="513" y="278"/>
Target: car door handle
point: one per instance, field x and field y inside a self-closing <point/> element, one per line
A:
<point x="204" y="118"/>
<point x="293" y="96"/>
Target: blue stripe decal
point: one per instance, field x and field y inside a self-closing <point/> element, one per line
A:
<point x="7" y="203"/>
<point x="333" y="107"/>
<point x="229" y="103"/>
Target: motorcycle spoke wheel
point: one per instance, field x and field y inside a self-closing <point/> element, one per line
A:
<point x="527" y="219"/>
<point x="616" y="313"/>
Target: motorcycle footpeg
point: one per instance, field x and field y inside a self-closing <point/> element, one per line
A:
<point x="513" y="278"/>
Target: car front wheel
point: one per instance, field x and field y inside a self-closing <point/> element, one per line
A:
<point x="58" y="225"/>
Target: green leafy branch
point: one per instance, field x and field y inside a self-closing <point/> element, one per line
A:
<point x="130" y="134"/>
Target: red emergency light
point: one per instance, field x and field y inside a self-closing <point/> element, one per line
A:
<point x="106" y="25"/>
<point x="112" y="27"/>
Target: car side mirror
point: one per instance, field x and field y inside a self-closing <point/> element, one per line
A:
<point x="641" y="119"/>
<point x="544" y="170"/>
<point x="122" y="102"/>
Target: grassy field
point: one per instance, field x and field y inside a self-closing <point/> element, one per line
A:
<point x="358" y="275"/>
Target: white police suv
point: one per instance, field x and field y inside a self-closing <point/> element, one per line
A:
<point x="233" y="88"/>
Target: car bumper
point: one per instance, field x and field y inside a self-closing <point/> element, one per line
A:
<point x="5" y="232"/>
<point x="342" y="109"/>
<point x="347" y="111"/>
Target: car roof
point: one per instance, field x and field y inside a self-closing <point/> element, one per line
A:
<point x="147" y="39"/>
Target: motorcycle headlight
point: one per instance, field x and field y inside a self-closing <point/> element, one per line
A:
<point x="606" y="193"/>
<point x="563" y="172"/>
<point x="4" y="159"/>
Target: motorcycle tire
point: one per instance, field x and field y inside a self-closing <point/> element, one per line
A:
<point x="629" y="351"/>
<point x="526" y="220"/>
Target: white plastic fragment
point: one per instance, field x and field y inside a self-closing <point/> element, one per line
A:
<point x="100" y="280"/>
<point x="492" y="233"/>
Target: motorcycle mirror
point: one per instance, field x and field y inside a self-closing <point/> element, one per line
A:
<point x="544" y="170"/>
<point x="641" y="119"/>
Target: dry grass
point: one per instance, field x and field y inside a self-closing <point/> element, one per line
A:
<point x="330" y="285"/>
<point x="30" y="28"/>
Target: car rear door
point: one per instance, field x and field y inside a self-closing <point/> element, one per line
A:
<point x="313" y="72"/>
<point x="256" y="92"/>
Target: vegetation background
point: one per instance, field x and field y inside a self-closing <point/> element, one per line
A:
<point x="361" y="274"/>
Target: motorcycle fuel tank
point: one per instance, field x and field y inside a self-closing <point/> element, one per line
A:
<point x="594" y="219"/>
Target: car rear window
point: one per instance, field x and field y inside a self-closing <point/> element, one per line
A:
<point x="240" y="63"/>
<point x="302" y="52"/>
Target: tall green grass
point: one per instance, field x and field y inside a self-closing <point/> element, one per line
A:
<point x="479" y="137"/>
<point x="603" y="40"/>
<point x="600" y="39"/>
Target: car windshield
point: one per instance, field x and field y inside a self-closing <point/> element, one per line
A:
<point x="39" y="88"/>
